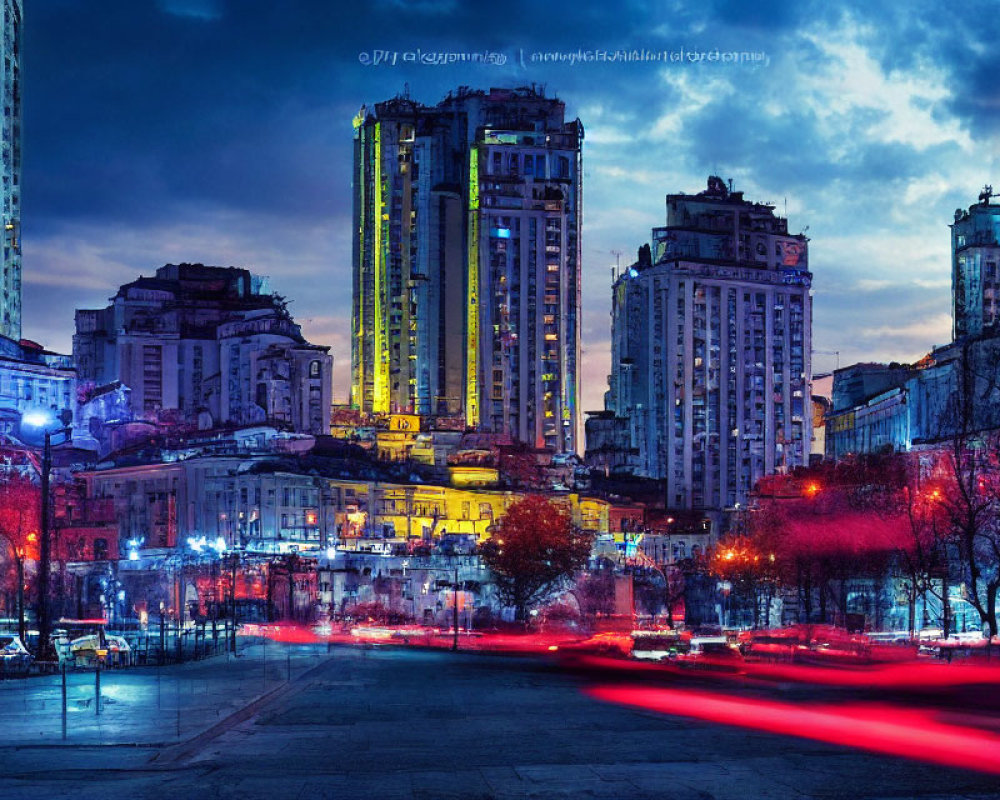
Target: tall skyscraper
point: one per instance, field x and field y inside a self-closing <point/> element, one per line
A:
<point x="975" y="254"/>
<point x="711" y="330"/>
<point x="467" y="262"/>
<point x="10" y="172"/>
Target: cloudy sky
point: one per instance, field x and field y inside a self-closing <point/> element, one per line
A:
<point x="219" y="131"/>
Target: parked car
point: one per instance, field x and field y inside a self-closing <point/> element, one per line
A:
<point x="119" y="651"/>
<point x="14" y="656"/>
<point x="108" y="649"/>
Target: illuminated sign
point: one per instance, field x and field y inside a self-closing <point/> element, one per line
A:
<point x="468" y="476"/>
<point x="791" y="253"/>
<point x="409" y="423"/>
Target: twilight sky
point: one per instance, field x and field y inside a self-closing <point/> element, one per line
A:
<point x="219" y="131"/>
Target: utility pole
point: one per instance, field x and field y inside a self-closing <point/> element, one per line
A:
<point x="454" y="643"/>
<point x="232" y="608"/>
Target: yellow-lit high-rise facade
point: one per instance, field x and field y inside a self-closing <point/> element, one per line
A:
<point x="466" y="288"/>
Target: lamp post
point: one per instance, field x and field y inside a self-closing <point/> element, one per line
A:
<point x="454" y="643"/>
<point x="49" y="424"/>
<point x="45" y="556"/>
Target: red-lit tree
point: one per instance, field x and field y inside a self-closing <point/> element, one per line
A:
<point x="922" y="555"/>
<point x="534" y="550"/>
<point x="747" y="560"/>
<point x="969" y="474"/>
<point x="20" y="506"/>
<point x="834" y="531"/>
<point x="970" y="501"/>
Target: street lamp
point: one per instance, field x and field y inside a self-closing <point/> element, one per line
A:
<point x="46" y="422"/>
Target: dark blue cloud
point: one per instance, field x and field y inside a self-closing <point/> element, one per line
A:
<point x="219" y="130"/>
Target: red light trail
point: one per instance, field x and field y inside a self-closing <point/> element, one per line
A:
<point x="887" y="729"/>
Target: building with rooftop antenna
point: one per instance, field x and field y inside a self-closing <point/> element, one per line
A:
<point x="975" y="282"/>
<point x="466" y="292"/>
<point x="711" y="340"/>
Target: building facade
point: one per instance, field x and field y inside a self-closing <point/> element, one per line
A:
<point x="10" y="171"/>
<point x="975" y="282"/>
<point x="33" y="379"/>
<point x="711" y="338"/>
<point x="207" y="347"/>
<point x="952" y="391"/>
<point x="466" y="286"/>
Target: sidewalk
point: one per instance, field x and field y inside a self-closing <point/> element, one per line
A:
<point x="145" y="706"/>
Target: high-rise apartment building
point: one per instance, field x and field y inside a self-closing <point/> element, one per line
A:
<point x="975" y="282"/>
<point x="10" y="172"/>
<point x="467" y="262"/>
<point x="709" y="384"/>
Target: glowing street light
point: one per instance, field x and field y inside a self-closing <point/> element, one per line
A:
<point x="46" y="422"/>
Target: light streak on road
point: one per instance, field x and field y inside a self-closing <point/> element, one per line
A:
<point x="897" y="731"/>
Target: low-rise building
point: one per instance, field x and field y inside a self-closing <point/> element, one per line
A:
<point x="33" y="379"/>
<point x="203" y="347"/>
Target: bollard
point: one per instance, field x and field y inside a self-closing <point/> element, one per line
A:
<point x="177" y="702"/>
<point x="97" y="689"/>
<point x="64" y="701"/>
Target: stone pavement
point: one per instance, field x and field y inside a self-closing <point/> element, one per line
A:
<point x="146" y="705"/>
<point x="418" y="724"/>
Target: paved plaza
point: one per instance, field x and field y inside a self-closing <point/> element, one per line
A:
<point x="395" y="723"/>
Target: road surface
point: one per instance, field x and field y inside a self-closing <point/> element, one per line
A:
<point x="387" y="723"/>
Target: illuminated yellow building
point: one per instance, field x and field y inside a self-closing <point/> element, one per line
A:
<point x="407" y="512"/>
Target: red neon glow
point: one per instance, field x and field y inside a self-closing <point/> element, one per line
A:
<point x="908" y="733"/>
<point x="912" y="677"/>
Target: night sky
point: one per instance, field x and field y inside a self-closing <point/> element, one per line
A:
<point x="220" y="131"/>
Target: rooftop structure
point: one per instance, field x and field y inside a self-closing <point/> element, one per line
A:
<point x="975" y="283"/>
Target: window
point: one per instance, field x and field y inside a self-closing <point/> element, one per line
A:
<point x="314" y="369"/>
